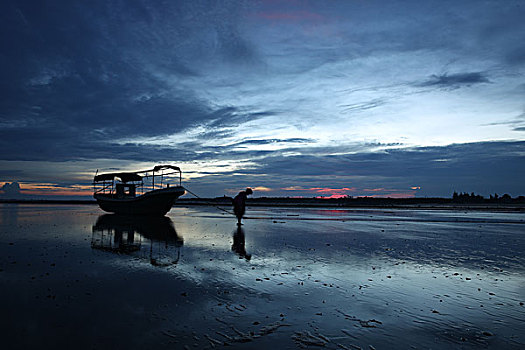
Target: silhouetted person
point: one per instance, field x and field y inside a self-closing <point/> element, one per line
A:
<point x="238" y="245"/>
<point x="239" y="204"/>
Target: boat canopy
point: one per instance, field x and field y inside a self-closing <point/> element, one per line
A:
<point x="161" y="167"/>
<point x="124" y="177"/>
<point x="133" y="176"/>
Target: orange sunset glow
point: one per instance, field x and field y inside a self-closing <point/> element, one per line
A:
<point x="43" y="189"/>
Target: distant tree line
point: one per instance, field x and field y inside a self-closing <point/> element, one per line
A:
<point x="349" y="201"/>
<point x="465" y="197"/>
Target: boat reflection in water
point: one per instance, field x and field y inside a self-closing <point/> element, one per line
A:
<point x="151" y="238"/>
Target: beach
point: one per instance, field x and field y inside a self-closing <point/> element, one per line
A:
<point x="289" y="278"/>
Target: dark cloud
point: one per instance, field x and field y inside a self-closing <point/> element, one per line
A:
<point x="517" y="124"/>
<point x="454" y="81"/>
<point x="10" y="173"/>
<point x="470" y="29"/>
<point x="215" y="134"/>
<point x="517" y="55"/>
<point x="228" y="117"/>
<point x="76" y="77"/>
<point x="272" y="141"/>
<point x="483" y="167"/>
<point x="501" y="29"/>
<point x="10" y="190"/>
<point x="364" y="105"/>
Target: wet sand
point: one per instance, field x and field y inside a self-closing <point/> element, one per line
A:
<point x="72" y="277"/>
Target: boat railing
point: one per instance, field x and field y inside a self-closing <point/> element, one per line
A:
<point x="163" y="179"/>
<point x="105" y="187"/>
<point x="161" y="176"/>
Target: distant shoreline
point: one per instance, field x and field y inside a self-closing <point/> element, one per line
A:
<point x="361" y="203"/>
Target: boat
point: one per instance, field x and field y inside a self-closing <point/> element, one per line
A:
<point x="144" y="192"/>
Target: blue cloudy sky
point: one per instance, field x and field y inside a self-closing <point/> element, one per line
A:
<point x="294" y="98"/>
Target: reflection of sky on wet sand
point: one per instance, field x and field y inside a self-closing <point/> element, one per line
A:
<point x="386" y="278"/>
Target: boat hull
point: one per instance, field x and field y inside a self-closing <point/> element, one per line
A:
<point x="154" y="203"/>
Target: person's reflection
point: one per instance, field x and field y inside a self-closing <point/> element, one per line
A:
<point x="238" y="245"/>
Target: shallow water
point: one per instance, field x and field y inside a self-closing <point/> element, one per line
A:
<point x="290" y="278"/>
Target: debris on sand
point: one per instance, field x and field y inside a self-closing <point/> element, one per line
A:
<point x="367" y="324"/>
<point x="325" y="338"/>
<point x="169" y="334"/>
<point x="363" y="323"/>
<point x="224" y="335"/>
<point x="272" y="328"/>
<point x="240" y="337"/>
<point x="348" y="333"/>
<point x="221" y="321"/>
<point x="352" y="346"/>
<point x="213" y="341"/>
<point x="308" y="339"/>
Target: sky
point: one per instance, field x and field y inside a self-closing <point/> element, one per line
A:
<point x="290" y="97"/>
